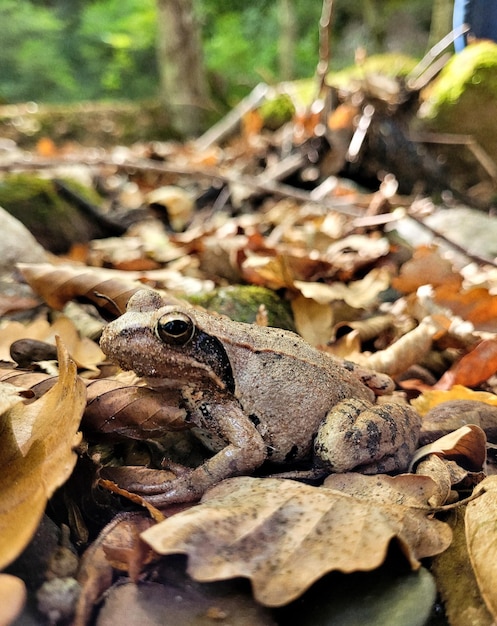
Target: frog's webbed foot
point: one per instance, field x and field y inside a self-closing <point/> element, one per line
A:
<point x="190" y="486"/>
<point x="368" y="438"/>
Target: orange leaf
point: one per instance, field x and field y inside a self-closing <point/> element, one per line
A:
<point x="474" y="368"/>
<point x="426" y="268"/>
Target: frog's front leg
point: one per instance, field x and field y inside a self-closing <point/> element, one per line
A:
<point x="357" y="435"/>
<point x="244" y="451"/>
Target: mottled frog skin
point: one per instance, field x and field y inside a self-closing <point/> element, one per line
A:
<point x="259" y="394"/>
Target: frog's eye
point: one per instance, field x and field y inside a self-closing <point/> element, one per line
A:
<point x="175" y="328"/>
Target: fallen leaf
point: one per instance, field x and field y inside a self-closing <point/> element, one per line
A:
<point x="407" y="350"/>
<point x="476" y="305"/>
<point x="473" y="368"/>
<point x="480" y="518"/>
<point x="12" y="598"/>
<point x="426" y="267"/>
<point x="357" y="293"/>
<point x="313" y="320"/>
<point x="57" y="284"/>
<point x="430" y="399"/>
<point x="456" y="580"/>
<point x="37" y="456"/>
<point x="466" y="446"/>
<point x="434" y="467"/>
<point x="128" y="411"/>
<point x="284" y="535"/>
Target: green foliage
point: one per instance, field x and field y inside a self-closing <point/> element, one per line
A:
<point x="117" y="38"/>
<point x="241" y="41"/>
<point x="31" y="64"/>
<point x="69" y="50"/>
<point x="99" y="49"/>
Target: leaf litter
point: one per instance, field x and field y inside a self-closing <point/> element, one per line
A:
<point x="332" y="259"/>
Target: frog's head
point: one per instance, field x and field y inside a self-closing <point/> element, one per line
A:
<point x="163" y="340"/>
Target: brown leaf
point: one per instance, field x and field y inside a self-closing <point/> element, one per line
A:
<point x="130" y="411"/>
<point x="284" y="535"/>
<point x="426" y="267"/>
<point x="57" y="284"/>
<point x="466" y="446"/>
<point x="437" y="470"/>
<point x="473" y="368"/>
<point x="481" y="514"/>
<point x="85" y="352"/>
<point x="13" y="331"/>
<point x="36" y="456"/>
<point x="456" y="580"/>
<point x="313" y="320"/>
<point x="12" y="598"/>
<point x="476" y="305"/>
<point x="38" y="383"/>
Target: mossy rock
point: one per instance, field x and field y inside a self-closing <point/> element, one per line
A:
<point x="242" y="302"/>
<point x="277" y="111"/>
<point x="55" y="223"/>
<point x="463" y="99"/>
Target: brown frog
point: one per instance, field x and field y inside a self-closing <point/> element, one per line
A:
<point x="259" y="394"/>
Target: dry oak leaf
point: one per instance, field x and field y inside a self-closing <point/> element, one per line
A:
<point x="37" y="456"/>
<point x="284" y="535"/>
<point x="481" y="539"/>
<point x="58" y="284"/>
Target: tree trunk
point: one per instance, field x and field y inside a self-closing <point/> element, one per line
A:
<point x="183" y="85"/>
<point x="441" y="20"/>
<point x="287" y="38"/>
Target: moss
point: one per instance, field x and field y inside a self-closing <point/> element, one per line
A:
<point x="473" y="70"/>
<point x="277" y="111"/>
<point x="34" y="201"/>
<point x="242" y="302"/>
<point x="463" y="99"/>
<point x="391" y="65"/>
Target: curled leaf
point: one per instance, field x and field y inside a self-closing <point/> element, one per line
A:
<point x="407" y="350"/>
<point x="36" y="456"/>
<point x="474" y="367"/>
<point x="57" y="284"/>
<point x="466" y="446"/>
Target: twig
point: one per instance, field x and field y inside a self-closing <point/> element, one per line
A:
<point x="339" y="205"/>
<point x="419" y="76"/>
<point x="324" y="45"/>
<point x="230" y="121"/>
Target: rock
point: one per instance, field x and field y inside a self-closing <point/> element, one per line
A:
<point x="461" y="101"/>
<point x="17" y="244"/>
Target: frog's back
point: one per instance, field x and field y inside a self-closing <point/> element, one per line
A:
<point x="288" y="387"/>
